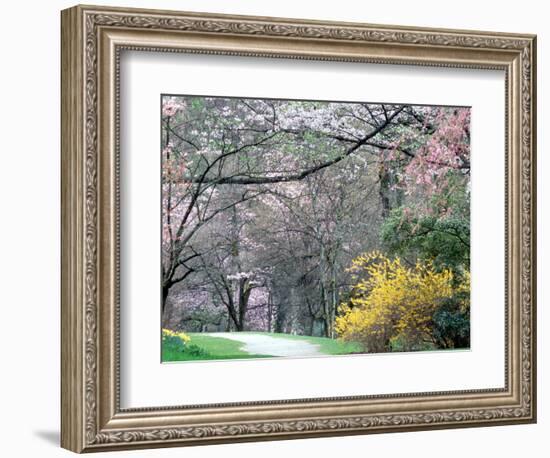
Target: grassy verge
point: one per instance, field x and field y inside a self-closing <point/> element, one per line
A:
<point x="201" y="348"/>
<point x="326" y="345"/>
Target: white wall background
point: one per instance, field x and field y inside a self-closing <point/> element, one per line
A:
<point x="29" y="241"/>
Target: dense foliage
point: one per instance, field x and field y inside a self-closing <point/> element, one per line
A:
<point x="394" y="307"/>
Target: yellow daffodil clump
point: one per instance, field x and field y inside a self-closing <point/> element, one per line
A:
<point x="181" y="335"/>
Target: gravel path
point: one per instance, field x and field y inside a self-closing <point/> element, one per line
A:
<point x="260" y="344"/>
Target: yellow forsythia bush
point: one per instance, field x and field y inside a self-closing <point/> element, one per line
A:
<point x="393" y="302"/>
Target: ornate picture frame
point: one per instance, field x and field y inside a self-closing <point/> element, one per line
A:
<point x="93" y="39"/>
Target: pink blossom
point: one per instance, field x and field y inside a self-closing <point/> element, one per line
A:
<point x="171" y="106"/>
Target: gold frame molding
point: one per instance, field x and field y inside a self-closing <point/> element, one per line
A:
<point x="92" y="39"/>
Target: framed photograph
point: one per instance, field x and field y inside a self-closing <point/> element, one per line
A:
<point x="278" y="228"/>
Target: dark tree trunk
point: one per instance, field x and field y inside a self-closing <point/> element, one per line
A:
<point x="165" y="291"/>
<point x="384" y="189"/>
<point x="244" y="295"/>
<point x="269" y="310"/>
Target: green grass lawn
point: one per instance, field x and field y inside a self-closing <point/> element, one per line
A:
<point x="202" y="348"/>
<point x="327" y="346"/>
<point x="205" y="347"/>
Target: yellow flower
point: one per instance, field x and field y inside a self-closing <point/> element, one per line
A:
<point x="181" y="335"/>
<point x="394" y="301"/>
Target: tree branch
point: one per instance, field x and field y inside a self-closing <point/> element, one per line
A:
<point x="247" y="180"/>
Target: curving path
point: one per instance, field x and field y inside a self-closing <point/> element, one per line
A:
<point x="267" y="345"/>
